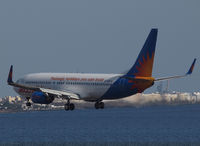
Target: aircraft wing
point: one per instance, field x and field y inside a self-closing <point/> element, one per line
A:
<point x="173" y="77"/>
<point x="57" y="93"/>
<point x="60" y="93"/>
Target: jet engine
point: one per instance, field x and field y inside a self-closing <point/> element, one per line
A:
<point x="42" y="98"/>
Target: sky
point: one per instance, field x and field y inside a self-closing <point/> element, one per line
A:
<point x="93" y="36"/>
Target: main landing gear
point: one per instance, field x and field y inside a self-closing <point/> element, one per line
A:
<point x="28" y="104"/>
<point x="99" y="105"/>
<point x="69" y="106"/>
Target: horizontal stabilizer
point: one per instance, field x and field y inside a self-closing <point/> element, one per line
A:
<point x="174" y="77"/>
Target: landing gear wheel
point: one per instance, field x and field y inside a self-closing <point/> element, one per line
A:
<point x="71" y="106"/>
<point x="96" y="105"/>
<point x="99" y="105"/>
<point x="66" y="107"/>
<point x="28" y="104"/>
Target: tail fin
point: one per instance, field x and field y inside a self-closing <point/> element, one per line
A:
<point x="144" y="63"/>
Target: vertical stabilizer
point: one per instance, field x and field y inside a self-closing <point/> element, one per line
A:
<point x="144" y="63"/>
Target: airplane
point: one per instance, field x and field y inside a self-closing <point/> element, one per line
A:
<point x="43" y="88"/>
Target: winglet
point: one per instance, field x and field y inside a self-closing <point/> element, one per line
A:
<point x="10" y="81"/>
<point x="191" y="68"/>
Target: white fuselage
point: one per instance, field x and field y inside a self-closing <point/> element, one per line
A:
<point x="88" y="86"/>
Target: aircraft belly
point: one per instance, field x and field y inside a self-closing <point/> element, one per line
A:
<point x="88" y="92"/>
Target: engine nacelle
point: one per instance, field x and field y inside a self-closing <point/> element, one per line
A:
<point x="42" y="98"/>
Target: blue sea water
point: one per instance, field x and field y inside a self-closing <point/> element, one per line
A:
<point x="161" y="124"/>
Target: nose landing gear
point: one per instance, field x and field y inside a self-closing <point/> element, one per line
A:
<point x="28" y="104"/>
